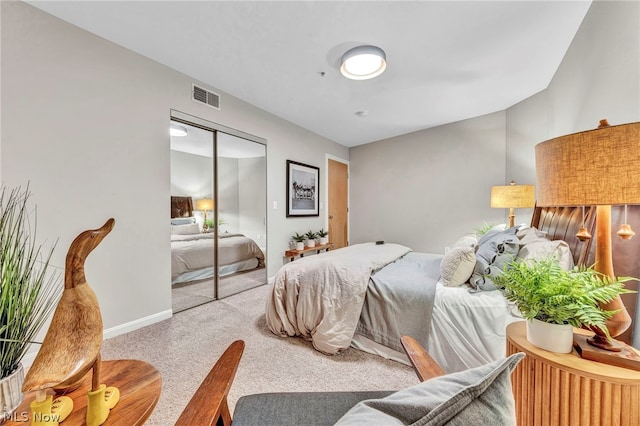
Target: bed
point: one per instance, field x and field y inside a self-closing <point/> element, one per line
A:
<point x="392" y="290"/>
<point x="192" y="251"/>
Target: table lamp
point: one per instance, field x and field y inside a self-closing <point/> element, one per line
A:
<point x="204" y="204"/>
<point x="512" y="196"/>
<point x="598" y="167"/>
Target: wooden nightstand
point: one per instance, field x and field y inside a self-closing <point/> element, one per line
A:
<point x="564" y="389"/>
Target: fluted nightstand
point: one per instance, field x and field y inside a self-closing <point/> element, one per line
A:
<point x="564" y="389"/>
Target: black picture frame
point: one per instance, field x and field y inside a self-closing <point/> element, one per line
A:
<point x="303" y="189"/>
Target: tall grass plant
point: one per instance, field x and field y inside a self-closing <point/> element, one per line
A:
<point x="29" y="289"/>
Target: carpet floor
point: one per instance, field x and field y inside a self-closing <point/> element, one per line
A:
<point x="185" y="347"/>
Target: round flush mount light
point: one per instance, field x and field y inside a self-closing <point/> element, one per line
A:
<point x="363" y="62"/>
<point x="177" y="130"/>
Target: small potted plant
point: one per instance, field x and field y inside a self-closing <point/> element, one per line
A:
<point x="554" y="300"/>
<point x="29" y="292"/>
<point x="311" y="239"/>
<point x="322" y="234"/>
<point x="299" y="240"/>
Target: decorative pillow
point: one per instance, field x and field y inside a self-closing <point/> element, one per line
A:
<point x="493" y="231"/>
<point x="192" y="228"/>
<point x="182" y="220"/>
<point x="478" y="396"/>
<point x="536" y="246"/>
<point x="469" y="240"/>
<point x="457" y="265"/>
<point x="494" y="252"/>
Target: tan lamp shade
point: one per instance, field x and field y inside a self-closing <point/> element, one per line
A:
<point x="204" y="204"/>
<point x="512" y="196"/>
<point x="595" y="167"/>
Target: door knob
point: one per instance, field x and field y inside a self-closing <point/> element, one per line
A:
<point x="330" y="216"/>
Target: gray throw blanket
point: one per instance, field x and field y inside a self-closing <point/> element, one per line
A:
<point x="400" y="299"/>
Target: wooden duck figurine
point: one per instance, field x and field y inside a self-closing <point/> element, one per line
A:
<point x="72" y="344"/>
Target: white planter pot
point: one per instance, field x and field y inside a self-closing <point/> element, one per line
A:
<point x="323" y="240"/>
<point x="300" y="246"/>
<point x="550" y="337"/>
<point x="11" y="392"/>
<point x="311" y="243"/>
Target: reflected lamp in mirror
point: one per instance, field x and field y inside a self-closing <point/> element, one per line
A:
<point x="511" y="197"/>
<point x="599" y="168"/>
<point x="204" y="205"/>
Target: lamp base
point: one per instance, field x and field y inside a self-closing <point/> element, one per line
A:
<point x="626" y="357"/>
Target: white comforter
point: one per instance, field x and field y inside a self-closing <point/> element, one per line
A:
<point x="196" y="251"/>
<point x="320" y="297"/>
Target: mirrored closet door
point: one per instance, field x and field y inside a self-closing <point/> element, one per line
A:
<point x="218" y="212"/>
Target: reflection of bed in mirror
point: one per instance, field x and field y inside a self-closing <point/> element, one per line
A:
<point x="193" y="251"/>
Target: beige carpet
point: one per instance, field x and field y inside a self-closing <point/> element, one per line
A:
<point x="185" y="347"/>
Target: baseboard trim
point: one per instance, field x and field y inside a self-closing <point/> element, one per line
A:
<point x="115" y="331"/>
<point x="136" y="324"/>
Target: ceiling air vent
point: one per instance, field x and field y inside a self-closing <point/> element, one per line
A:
<point x="206" y="97"/>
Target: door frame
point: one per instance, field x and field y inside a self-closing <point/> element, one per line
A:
<point x="326" y="194"/>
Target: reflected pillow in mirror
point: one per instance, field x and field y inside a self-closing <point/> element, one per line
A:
<point x="192" y="228"/>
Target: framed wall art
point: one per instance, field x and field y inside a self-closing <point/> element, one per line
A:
<point x="303" y="188"/>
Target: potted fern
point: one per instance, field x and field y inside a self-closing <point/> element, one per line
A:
<point x="554" y="300"/>
<point x="28" y="292"/>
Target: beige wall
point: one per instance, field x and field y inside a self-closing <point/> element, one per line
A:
<point x="598" y="78"/>
<point x="86" y="123"/>
<point x="428" y="188"/>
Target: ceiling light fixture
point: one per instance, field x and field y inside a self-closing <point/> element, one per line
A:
<point x="177" y="130"/>
<point x="363" y="62"/>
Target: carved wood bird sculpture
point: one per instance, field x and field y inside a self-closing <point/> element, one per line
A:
<point x="72" y="344"/>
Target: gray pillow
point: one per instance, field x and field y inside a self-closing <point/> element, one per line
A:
<point x="536" y="246"/>
<point x="478" y="396"/>
<point x="493" y="254"/>
<point x="182" y="220"/>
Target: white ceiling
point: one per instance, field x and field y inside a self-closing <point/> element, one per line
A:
<point x="447" y="60"/>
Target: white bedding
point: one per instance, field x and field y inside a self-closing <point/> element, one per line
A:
<point x="192" y="256"/>
<point x="320" y="297"/>
<point x="467" y="329"/>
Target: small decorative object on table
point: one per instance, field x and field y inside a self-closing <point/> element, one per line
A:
<point x="71" y="346"/>
<point x="543" y="291"/>
<point x="311" y="239"/>
<point x="322" y="234"/>
<point x="299" y="240"/>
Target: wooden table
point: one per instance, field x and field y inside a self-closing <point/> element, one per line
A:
<point x="292" y="254"/>
<point x="139" y="384"/>
<point x="564" y="389"/>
